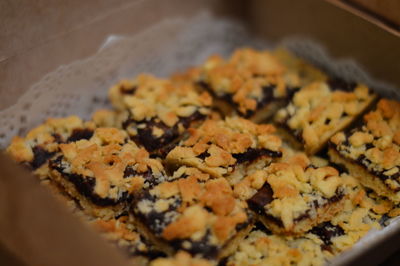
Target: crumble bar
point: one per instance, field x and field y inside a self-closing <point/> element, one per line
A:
<point x="158" y="111"/>
<point x="125" y="237"/>
<point x="321" y="109"/>
<point x="192" y="212"/>
<point x="260" y="247"/>
<point x="250" y="83"/>
<point x="42" y="143"/>
<point x="218" y="146"/>
<point x="291" y="196"/>
<point x="103" y="172"/>
<point x="371" y="151"/>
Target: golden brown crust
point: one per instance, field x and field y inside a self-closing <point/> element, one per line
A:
<point x="193" y="208"/>
<point x="111" y="167"/>
<point x="374" y="146"/>
<point x="259" y="248"/>
<point x="221" y="141"/>
<point x="249" y="78"/>
<point x="317" y="112"/>
<point x="41" y="143"/>
<point x="295" y="195"/>
<point x="147" y="97"/>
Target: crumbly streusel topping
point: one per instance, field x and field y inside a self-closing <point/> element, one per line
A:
<point x="194" y="207"/>
<point x="217" y="145"/>
<point x="108" y="118"/>
<point x="260" y="248"/>
<point x="376" y="144"/>
<point x="294" y="188"/>
<point x="362" y="211"/>
<point x="116" y="165"/>
<point x="316" y="112"/>
<point x="147" y="97"/>
<point x="42" y="142"/>
<point x="249" y="77"/>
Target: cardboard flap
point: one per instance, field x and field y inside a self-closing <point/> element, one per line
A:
<point x="40" y="231"/>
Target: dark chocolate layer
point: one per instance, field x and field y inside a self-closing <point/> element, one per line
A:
<point x="156" y="222"/>
<point x="40" y="156"/>
<point x="152" y="143"/>
<point x="85" y="186"/>
<point x="267" y="98"/>
<point x="251" y="154"/>
<point x="363" y="161"/>
<point x="264" y="196"/>
<point x="326" y="231"/>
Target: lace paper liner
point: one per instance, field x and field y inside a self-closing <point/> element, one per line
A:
<point x="81" y="87"/>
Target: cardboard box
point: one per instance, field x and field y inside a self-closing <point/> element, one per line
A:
<point x="39" y="36"/>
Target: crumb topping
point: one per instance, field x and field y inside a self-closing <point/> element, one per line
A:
<point x="148" y="97"/>
<point x="260" y="248"/>
<point x="217" y="145"/>
<point x="317" y="111"/>
<point x="42" y="142"/>
<point x="290" y="190"/>
<point x="375" y="144"/>
<point x="361" y="212"/>
<point x="107" y="118"/>
<point x="115" y="229"/>
<point x="249" y="78"/>
<point x="115" y="165"/>
<point x="203" y="209"/>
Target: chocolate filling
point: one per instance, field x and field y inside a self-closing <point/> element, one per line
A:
<point x="200" y="246"/>
<point x="267" y="97"/>
<point x="156" y="222"/>
<point x="363" y="161"/>
<point x="152" y="143"/>
<point x="79" y="133"/>
<point x="326" y="231"/>
<point x="40" y="156"/>
<point x="85" y="186"/>
<point x="148" y="175"/>
<point x="264" y="196"/>
<point x="251" y="154"/>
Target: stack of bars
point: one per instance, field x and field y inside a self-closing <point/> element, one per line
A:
<point x="259" y="159"/>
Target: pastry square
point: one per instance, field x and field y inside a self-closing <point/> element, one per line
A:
<point x="42" y="143"/>
<point x="125" y="236"/>
<point x="158" y="111"/>
<point x="291" y="196"/>
<point x="252" y="84"/>
<point x="261" y="247"/>
<point x="371" y="152"/>
<point x="218" y="146"/>
<point x="103" y="172"/>
<point x="361" y="213"/>
<point x="321" y="109"/>
<point x="192" y="212"/>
